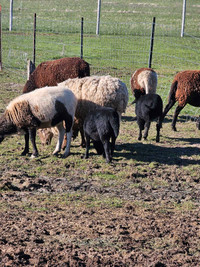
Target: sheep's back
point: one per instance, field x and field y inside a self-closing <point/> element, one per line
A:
<point x="49" y="73"/>
<point x="188" y="87"/>
<point x="96" y="91"/>
<point x="144" y="79"/>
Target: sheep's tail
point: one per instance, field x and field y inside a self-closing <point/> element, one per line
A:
<point x="171" y="98"/>
<point x="173" y="89"/>
<point x="114" y="123"/>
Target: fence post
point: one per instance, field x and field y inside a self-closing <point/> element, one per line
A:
<point x="11" y="15"/>
<point x="152" y="39"/>
<point x="34" y="38"/>
<point x="98" y="17"/>
<point x="183" y="18"/>
<point x="0" y="42"/>
<point x="81" y="37"/>
<point x="30" y="68"/>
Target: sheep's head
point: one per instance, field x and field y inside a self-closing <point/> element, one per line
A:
<point x="45" y="135"/>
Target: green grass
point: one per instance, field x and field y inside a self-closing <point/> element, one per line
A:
<point x="122" y="46"/>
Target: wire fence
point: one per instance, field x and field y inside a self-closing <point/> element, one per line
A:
<point x="119" y="50"/>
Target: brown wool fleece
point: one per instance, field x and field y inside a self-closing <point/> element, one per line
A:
<point x="186" y="88"/>
<point x="50" y="73"/>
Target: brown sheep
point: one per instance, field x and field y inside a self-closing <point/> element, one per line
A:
<point x="145" y="80"/>
<point x="50" y="73"/>
<point x="185" y="89"/>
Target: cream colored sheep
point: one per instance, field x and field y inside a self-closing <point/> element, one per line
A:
<point x="93" y="92"/>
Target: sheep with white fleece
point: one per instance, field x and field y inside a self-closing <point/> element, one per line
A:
<point x="94" y="92"/>
<point x="42" y="108"/>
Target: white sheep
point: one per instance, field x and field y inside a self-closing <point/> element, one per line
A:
<point x="42" y="108"/>
<point x="93" y="92"/>
<point x="144" y="79"/>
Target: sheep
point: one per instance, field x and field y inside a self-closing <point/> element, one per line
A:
<point x="101" y="125"/>
<point x="148" y="107"/>
<point x="185" y="89"/>
<point x="42" y="108"/>
<point x="49" y="73"/>
<point x="144" y="79"/>
<point x="93" y="92"/>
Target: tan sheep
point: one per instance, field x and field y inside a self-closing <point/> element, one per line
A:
<point x="144" y="79"/>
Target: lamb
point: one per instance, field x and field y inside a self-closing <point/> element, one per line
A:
<point x="144" y="79"/>
<point x="29" y="112"/>
<point x="93" y="92"/>
<point x="148" y="107"/>
<point x="101" y="125"/>
<point x="49" y="73"/>
<point x="185" y="89"/>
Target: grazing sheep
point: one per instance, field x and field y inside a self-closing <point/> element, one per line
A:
<point x="50" y="73"/>
<point x="101" y="125"/>
<point x="144" y="79"/>
<point x="185" y="89"/>
<point x="148" y="107"/>
<point x="93" y="92"/>
<point x="42" y="108"/>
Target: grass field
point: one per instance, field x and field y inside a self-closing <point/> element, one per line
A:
<point x="143" y="208"/>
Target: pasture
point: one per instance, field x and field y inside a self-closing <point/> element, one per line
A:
<point x="140" y="210"/>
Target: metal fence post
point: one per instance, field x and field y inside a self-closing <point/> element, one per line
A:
<point x="11" y="15"/>
<point x="81" y="37"/>
<point x="0" y="42"/>
<point x="183" y="18"/>
<point x="152" y="39"/>
<point x="98" y="17"/>
<point x="34" y="38"/>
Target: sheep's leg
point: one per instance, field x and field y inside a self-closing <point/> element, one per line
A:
<point x="67" y="149"/>
<point x="113" y="144"/>
<point x="141" y="127"/>
<point x="26" y="149"/>
<point x="87" y="146"/>
<point x="168" y="106"/>
<point x="61" y="133"/>
<point x="158" y="127"/>
<point x="147" y="126"/>
<point x="83" y="143"/>
<point x="106" y="146"/>
<point x="177" y="111"/>
<point x="32" y="133"/>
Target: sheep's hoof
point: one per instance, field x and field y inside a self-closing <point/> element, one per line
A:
<point x="24" y="153"/>
<point x="139" y="138"/>
<point x="108" y="160"/>
<point x="55" y="153"/>
<point x="174" y="129"/>
<point x="34" y="156"/>
<point x="65" y="155"/>
<point x="157" y="140"/>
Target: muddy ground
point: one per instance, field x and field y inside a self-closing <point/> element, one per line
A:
<point x="141" y="210"/>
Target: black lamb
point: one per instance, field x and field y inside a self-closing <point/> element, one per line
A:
<point x="148" y="108"/>
<point x="100" y="126"/>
